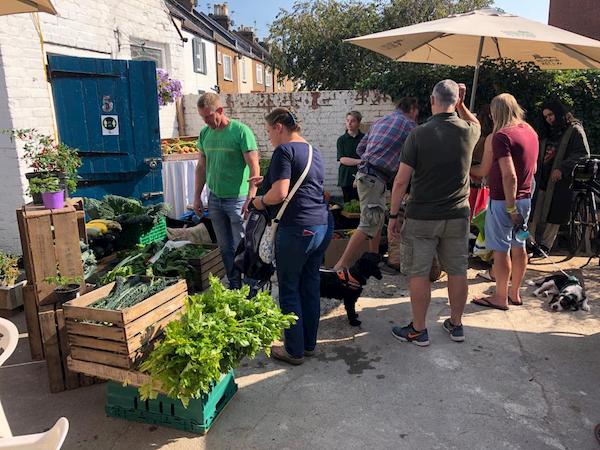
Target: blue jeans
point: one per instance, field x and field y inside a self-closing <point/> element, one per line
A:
<point x="228" y="223"/>
<point x="299" y="252"/>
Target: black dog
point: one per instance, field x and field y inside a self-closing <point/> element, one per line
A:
<point x="347" y="285"/>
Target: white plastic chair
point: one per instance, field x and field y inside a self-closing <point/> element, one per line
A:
<point x="50" y="440"/>
<point x="9" y="337"/>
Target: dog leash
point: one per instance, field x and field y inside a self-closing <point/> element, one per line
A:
<point x="547" y="257"/>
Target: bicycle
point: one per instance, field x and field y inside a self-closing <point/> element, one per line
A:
<point x="584" y="228"/>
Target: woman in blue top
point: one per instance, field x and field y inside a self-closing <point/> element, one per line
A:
<point x="302" y="235"/>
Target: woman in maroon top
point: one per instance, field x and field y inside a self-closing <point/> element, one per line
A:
<point x="514" y="160"/>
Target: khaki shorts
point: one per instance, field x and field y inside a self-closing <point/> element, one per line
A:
<point x="422" y="239"/>
<point x="371" y="193"/>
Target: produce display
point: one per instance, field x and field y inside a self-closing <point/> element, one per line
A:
<point x="218" y="328"/>
<point x="118" y="222"/>
<point x="179" y="147"/>
<point x="173" y="263"/>
<point x="124" y="210"/>
<point x="131" y="291"/>
<point x="353" y="206"/>
<point x="100" y="227"/>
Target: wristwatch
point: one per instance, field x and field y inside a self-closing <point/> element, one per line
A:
<point x="394" y="216"/>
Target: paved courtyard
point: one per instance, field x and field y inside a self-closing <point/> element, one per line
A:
<point x="527" y="378"/>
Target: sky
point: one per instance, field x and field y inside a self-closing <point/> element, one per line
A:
<point x="262" y="12"/>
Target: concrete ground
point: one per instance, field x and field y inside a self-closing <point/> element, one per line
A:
<point x="527" y="378"/>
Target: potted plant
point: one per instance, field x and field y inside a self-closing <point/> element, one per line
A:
<point x="46" y="157"/>
<point x="169" y="89"/>
<point x="53" y="196"/>
<point x="11" y="292"/>
<point x="67" y="288"/>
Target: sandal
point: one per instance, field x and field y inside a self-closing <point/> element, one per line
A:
<point x="281" y="354"/>
<point x="487" y="304"/>
<point x="512" y="302"/>
<point x="486" y="276"/>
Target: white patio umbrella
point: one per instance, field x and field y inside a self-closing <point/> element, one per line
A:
<point x="26" y="6"/>
<point x="466" y="39"/>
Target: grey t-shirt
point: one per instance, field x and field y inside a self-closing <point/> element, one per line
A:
<point x="440" y="153"/>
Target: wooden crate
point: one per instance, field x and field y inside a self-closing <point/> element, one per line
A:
<point x="350" y="215"/>
<point x="11" y="299"/>
<point x="50" y="244"/>
<point x="104" y="372"/>
<point x="122" y="343"/>
<point x="56" y="350"/>
<point x="209" y="264"/>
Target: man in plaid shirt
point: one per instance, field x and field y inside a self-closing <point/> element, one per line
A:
<point x="379" y="152"/>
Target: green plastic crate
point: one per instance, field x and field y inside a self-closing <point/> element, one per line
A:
<point x="124" y="402"/>
<point x="132" y="234"/>
<point x="157" y="233"/>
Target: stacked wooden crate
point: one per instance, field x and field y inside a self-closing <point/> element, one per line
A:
<point x="50" y="244"/>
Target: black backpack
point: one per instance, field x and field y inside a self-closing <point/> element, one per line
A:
<point x="246" y="259"/>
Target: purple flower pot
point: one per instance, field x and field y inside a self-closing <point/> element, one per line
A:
<point x="54" y="200"/>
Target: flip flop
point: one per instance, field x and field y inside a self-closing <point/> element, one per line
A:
<point x="487" y="304"/>
<point x="486" y="276"/>
<point x="512" y="302"/>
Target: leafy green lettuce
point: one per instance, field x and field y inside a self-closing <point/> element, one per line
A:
<point x="218" y="328"/>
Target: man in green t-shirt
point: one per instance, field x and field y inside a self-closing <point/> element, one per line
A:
<point x="228" y="158"/>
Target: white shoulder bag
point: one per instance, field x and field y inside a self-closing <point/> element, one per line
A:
<point x="266" y="249"/>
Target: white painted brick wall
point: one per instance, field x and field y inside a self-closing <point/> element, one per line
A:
<point x="322" y="115"/>
<point x="91" y="28"/>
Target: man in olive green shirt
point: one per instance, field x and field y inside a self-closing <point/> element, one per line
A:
<point x="435" y="160"/>
<point x="228" y="158"/>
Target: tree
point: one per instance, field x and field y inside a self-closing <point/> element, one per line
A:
<point x="308" y="41"/>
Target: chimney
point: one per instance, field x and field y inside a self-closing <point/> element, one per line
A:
<point x="187" y="4"/>
<point x="221" y="15"/>
<point x="247" y="33"/>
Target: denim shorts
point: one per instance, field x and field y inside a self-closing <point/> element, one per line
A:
<point x="499" y="228"/>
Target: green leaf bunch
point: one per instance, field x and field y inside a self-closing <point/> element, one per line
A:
<point x="353" y="206"/>
<point x="218" y="328"/>
<point x="44" y="184"/>
<point x="63" y="281"/>
<point x="9" y="270"/>
<point x="175" y="263"/>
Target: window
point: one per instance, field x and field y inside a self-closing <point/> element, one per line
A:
<point x="199" y="50"/>
<point x="219" y="58"/>
<point x="146" y="52"/>
<point x="243" y="69"/>
<point x="227" y="70"/>
<point x="268" y="77"/>
<point x="259" y="74"/>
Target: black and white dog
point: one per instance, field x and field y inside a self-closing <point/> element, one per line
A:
<point x="566" y="291"/>
<point x="347" y="285"/>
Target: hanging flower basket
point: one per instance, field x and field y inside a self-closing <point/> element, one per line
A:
<point x="168" y="89"/>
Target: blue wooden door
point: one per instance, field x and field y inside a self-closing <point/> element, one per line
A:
<point x="108" y="109"/>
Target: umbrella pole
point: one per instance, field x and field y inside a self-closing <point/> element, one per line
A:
<point x="476" y="74"/>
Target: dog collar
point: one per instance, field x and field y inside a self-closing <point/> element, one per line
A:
<point x="347" y="278"/>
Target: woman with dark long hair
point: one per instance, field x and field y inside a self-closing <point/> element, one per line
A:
<point x="563" y="142"/>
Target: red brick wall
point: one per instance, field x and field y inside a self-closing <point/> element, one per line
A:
<point x="578" y="16"/>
